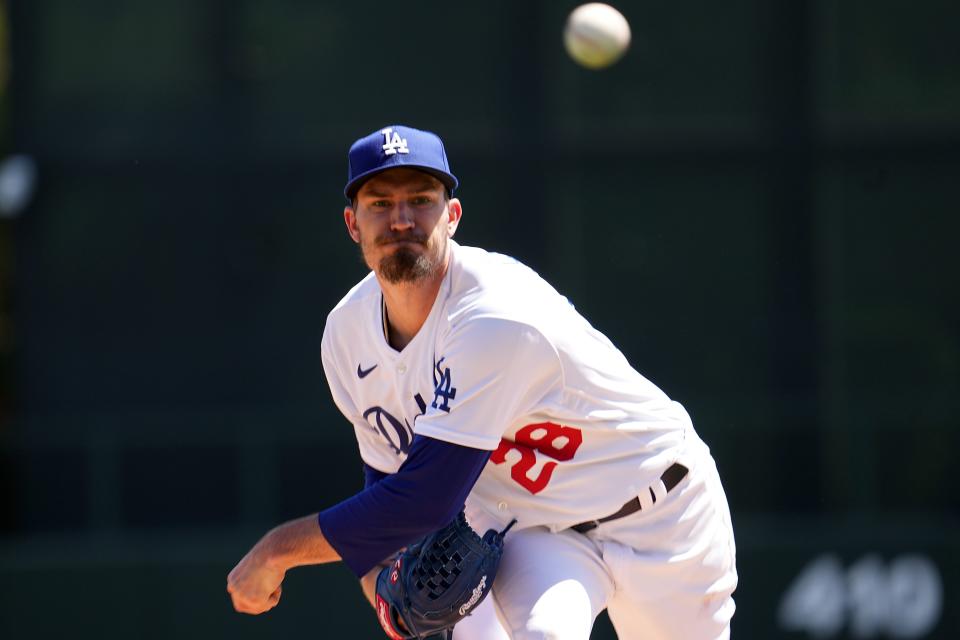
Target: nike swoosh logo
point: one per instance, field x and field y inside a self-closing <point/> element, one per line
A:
<point x="363" y="373"/>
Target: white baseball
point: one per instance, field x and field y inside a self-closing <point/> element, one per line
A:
<point x="596" y="35"/>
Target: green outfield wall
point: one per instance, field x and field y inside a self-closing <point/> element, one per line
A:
<point x="758" y="204"/>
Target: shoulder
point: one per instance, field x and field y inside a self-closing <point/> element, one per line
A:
<point x="499" y="310"/>
<point x="476" y="264"/>
<point x="348" y="316"/>
<point x="496" y="343"/>
<point x="488" y="284"/>
<point x="363" y="293"/>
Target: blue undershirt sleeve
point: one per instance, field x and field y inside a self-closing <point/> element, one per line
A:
<point x="424" y="495"/>
<point x="372" y="476"/>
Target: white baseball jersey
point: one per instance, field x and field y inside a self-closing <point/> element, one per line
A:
<point x="505" y="363"/>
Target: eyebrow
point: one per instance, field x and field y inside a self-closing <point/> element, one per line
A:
<point x="421" y="188"/>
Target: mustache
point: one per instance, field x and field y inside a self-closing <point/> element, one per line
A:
<point x="388" y="238"/>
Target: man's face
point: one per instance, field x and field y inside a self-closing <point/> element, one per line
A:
<point x="402" y="220"/>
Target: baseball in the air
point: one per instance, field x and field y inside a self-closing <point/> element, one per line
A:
<point x="596" y="35"/>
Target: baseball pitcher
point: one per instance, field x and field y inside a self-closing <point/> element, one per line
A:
<point x="510" y="449"/>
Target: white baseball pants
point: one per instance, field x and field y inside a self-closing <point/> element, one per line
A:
<point x="665" y="573"/>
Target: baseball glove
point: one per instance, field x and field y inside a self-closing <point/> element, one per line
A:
<point x="438" y="581"/>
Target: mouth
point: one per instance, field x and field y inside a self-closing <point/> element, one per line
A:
<point x="400" y="241"/>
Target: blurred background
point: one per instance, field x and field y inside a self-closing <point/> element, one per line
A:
<point x="759" y="204"/>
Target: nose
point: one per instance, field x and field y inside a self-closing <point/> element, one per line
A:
<point x="401" y="217"/>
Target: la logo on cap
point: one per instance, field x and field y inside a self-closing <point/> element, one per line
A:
<point x="393" y="143"/>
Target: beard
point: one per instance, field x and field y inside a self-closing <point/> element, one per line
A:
<point x="405" y="265"/>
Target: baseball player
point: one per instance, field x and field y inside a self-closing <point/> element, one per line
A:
<point x="472" y="384"/>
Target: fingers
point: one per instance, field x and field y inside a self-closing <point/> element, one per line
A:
<point x="250" y="593"/>
<point x="254" y="606"/>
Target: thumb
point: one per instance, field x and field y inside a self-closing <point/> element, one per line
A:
<point x="274" y="598"/>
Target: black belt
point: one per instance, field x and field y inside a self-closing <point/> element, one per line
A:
<point x="671" y="478"/>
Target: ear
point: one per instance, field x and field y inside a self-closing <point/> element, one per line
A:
<point x="454" y="213"/>
<point x="350" y="219"/>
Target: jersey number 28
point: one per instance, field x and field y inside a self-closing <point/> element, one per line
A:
<point x="542" y="437"/>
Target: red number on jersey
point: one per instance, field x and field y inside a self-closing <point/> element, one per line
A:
<point x="541" y="437"/>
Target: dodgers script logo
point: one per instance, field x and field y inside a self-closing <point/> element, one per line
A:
<point x="397" y="432"/>
<point x="393" y="144"/>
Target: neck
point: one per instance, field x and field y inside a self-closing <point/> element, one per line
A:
<point x="408" y="305"/>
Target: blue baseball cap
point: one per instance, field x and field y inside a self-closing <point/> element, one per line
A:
<point x="397" y="146"/>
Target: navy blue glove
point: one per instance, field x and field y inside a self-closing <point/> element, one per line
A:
<point x="438" y="581"/>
